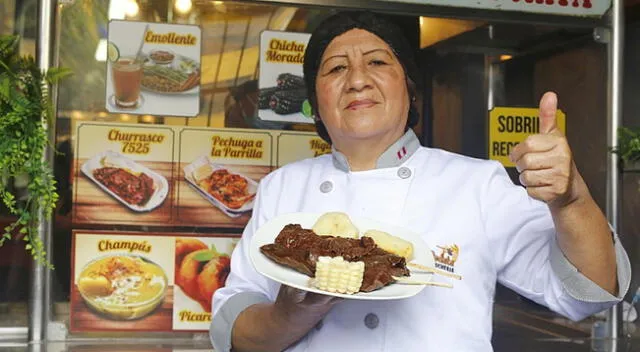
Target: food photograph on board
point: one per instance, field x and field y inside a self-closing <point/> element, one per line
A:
<point x="122" y="287"/>
<point x="282" y="94"/>
<point x="287" y="96"/>
<point x="165" y="72"/>
<point x="231" y="192"/>
<point x="200" y="269"/>
<point x="153" y="68"/>
<point x="131" y="183"/>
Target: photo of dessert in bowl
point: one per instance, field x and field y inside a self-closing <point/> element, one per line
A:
<point x="122" y="287"/>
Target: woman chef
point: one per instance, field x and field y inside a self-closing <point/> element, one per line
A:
<point x="549" y="241"/>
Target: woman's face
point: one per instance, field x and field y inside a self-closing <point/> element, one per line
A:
<point x="361" y="89"/>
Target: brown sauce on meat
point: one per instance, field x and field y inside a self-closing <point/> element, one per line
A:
<point x="300" y="248"/>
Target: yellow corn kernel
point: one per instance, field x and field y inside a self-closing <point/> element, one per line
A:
<point x="338" y="275"/>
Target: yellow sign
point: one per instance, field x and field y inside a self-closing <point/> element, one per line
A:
<point x="293" y="146"/>
<point x="510" y="126"/>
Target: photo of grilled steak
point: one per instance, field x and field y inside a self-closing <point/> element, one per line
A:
<point x="299" y="249"/>
<point x="135" y="190"/>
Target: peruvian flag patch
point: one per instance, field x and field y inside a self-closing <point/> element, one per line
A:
<point x="402" y="153"/>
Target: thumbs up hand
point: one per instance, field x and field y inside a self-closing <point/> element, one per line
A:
<point x="545" y="162"/>
<point x="548" y="109"/>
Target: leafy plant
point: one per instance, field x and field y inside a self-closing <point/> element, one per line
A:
<point x="628" y="145"/>
<point x="27" y="185"/>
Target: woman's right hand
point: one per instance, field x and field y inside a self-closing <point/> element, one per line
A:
<point x="275" y="326"/>
<point x="301" y="307"/>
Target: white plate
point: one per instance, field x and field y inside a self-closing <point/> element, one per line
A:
<point x="284" y="275"/>
<point x="193" y="91"/>
<point x="160" y="182"/>
<point x="203" y="160"/>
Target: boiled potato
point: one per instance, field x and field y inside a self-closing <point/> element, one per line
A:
<point x="96" y="286"/>
<point x="335" y="224"/>
<point x="109" y="161"/>
<point x="390" y="243"/>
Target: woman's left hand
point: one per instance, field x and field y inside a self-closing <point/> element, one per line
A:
<point x="549" y="173"/>
<point x="545" y="162"/>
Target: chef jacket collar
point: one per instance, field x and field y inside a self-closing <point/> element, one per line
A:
<point x="394" y="156"/>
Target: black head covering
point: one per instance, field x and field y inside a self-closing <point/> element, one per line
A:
<point x="342" y="22"/>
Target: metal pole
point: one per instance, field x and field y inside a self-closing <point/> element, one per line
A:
<point x="491" y="81"/>
<point x="38" y="294"/>
<point x="614" y="117"/>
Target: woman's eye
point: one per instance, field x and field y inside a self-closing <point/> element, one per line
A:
<point x="377" y="62"/>
<point x="337" y="69"/>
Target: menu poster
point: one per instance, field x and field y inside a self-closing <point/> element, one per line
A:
<point x="170" y="176"/>
<point x="202" y="266"/>
<point x="220" y="171"/>
<point x="153" y="68"/>
<point x="283" y="96"/>
<point x="294" y="146"/>
<point x="123" y="174"/>
<point x="122" y="282"/>
<point x="146" y="281"/>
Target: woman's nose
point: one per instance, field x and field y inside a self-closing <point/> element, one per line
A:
<point x="358" y="78"/>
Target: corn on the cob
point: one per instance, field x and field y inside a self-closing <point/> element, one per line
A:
<point x="288" y="101"/>
<point x="337" y="275"/>
<point x="289" y="81"/>
<point x="264" y="97"/>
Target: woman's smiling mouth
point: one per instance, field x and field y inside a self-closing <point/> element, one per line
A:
<point x="361" y="104"/>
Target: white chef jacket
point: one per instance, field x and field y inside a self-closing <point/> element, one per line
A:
<point x="502" y="235"/>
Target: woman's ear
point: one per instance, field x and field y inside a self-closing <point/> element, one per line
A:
<point x="414" y="115"/>
<point x="322" y="129"/>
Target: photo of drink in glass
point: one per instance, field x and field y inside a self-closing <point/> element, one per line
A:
<point x="126" y="78"/>
<point x="153" y="68"/>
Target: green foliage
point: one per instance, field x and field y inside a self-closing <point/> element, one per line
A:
<point x="80" y="28"/>
<point x="27" y="185"/>
<point x="628" y="145"/>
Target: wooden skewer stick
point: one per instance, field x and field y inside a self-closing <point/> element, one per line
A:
<point x="407" y="281"/>
<point x="435" y="271"/>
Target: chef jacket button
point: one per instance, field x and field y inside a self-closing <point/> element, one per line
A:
<point x="404" y="172"/>
<point x="371" y="321"/>
<point x="326" y="187"/>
